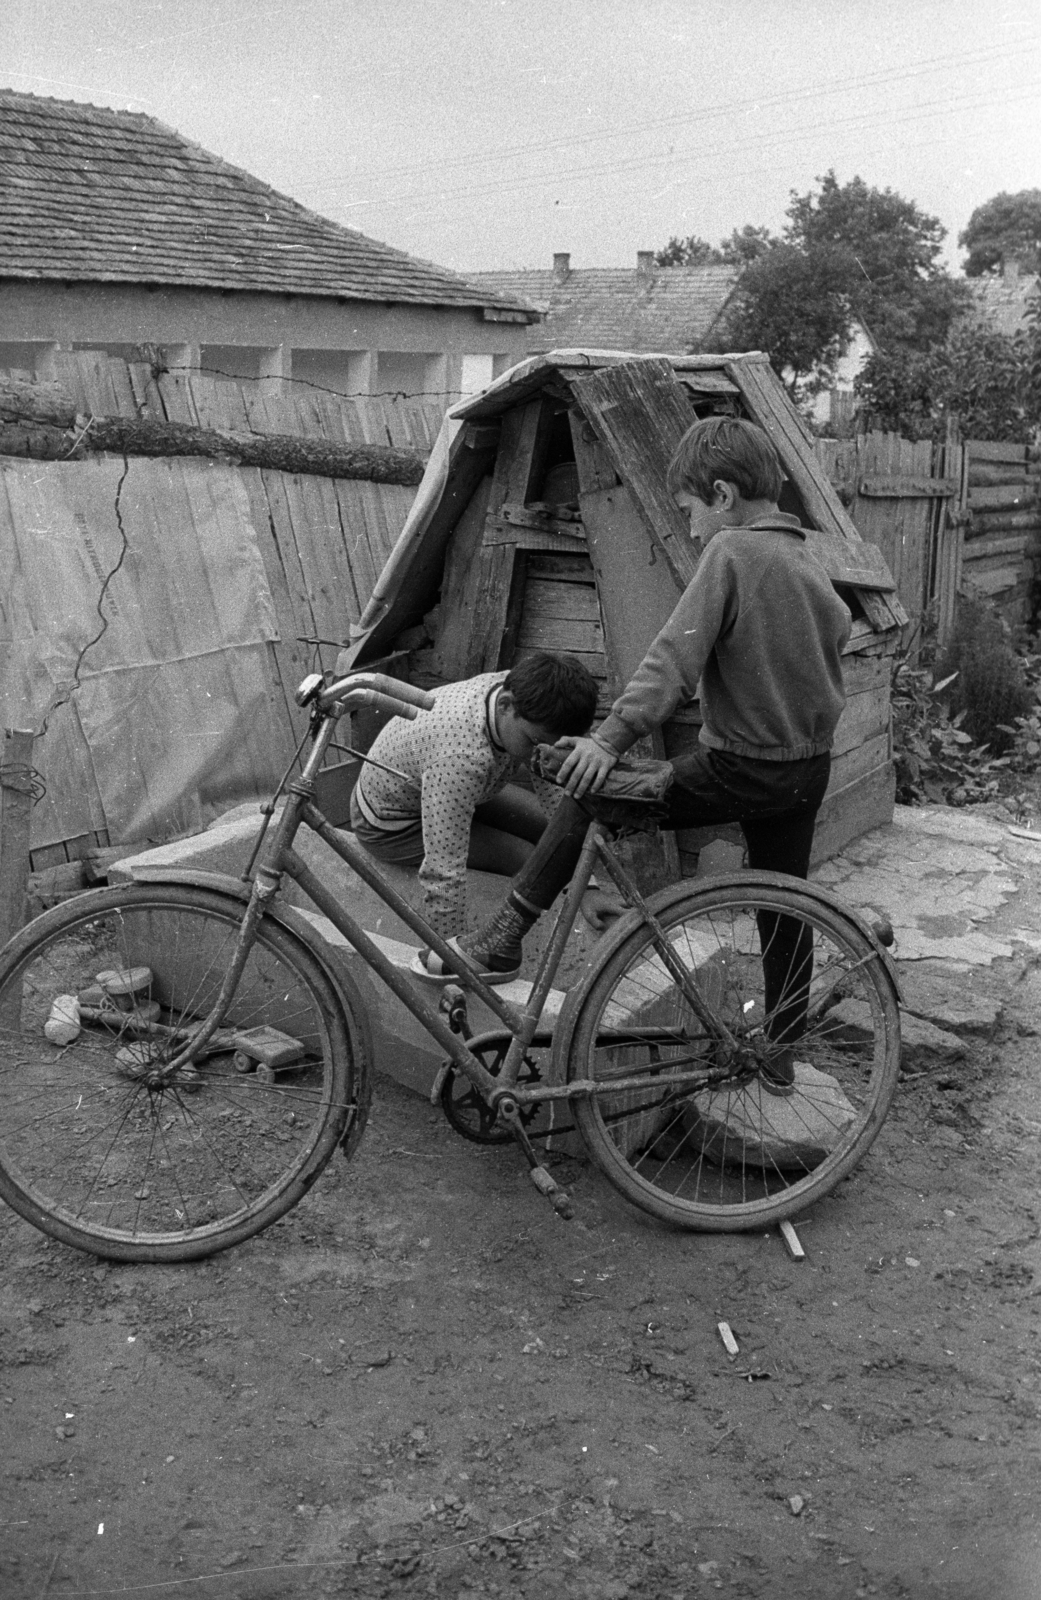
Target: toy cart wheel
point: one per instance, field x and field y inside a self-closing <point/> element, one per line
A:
<point x="266" y="1075"/>
<point x="242" y="1062"/>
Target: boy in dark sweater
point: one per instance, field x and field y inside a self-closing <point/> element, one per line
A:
<point x="761" y="630"/>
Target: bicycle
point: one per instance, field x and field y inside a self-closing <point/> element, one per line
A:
<point x="218" y="1054"/>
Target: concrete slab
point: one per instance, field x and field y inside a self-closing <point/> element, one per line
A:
<point x="961" y="891"/>
<point x="403" y="1048"/>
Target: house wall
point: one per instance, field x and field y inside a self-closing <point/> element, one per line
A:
<point x="353" y="347"/>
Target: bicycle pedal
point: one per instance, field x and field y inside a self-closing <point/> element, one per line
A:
<point x="548" y="1186"/>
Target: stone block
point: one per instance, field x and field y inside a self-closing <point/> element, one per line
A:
<point x="403" y="1048"/>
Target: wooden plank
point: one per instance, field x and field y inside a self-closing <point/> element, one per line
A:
<point x="984" y="450"/>
<point x="996" y="544"/>
<point x="518" y="464"/>
<point x="865" y="714"/>
<point x="498" y="532"/>
<point x="457" y="599"/>
<point x="982" y="474"/>
<point x="902" y="488"/>
<point x="859" y="760"/>
<point x="852" y="809"/>
<point x="408" y="585"/>
<point x="768" y="404"/>
<point x="1012" y="496"/>
<point x="540" y="520"/>
<point x="1003" y="521"/>
<point x="860" y="566"/>
<point x="638" y="590"/>
<point x="641" y="413"/>
<point x="594" y="464"/>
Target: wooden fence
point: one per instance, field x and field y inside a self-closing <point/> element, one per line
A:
<point x="311" y="547"/>
<point x="959" y="517"/>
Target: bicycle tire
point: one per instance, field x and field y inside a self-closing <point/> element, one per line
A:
<point x="93" y="1151"/>
<point x="734" y="1156"/>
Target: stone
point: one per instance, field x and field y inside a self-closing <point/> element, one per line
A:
<point x="785" y="1132"/>
<point x="922" y="1044"/>
<point x="941" y="993"/>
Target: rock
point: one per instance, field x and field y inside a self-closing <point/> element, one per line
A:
<point x="785" y="1132"/>
<point x="923" y="1045"/>
<point x="942" y="994"/>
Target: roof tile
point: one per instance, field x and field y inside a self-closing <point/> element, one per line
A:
<point x="96" y="195"/>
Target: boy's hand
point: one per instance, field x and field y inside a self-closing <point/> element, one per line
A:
<point x="586" y="767"/>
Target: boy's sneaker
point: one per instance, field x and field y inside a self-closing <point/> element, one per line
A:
<point x="498" y="947"/>
<point x="427" y="964"/>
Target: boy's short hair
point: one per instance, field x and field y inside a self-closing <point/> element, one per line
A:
<point x="556" y="691"/>
<point x="730" y="448"/>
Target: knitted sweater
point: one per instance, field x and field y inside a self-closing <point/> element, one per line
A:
<point x="762" y="629"/>
<point x="451" y="762"/>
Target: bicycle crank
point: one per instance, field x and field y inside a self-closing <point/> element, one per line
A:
<point x="545" y="1183"/>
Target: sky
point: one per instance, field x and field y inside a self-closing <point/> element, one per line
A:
<point x="493" y="133"/>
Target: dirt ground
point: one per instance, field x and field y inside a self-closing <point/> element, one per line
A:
<point x="422" y="1383"/>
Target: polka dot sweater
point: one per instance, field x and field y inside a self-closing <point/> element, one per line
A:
<point x="451" y="763"/>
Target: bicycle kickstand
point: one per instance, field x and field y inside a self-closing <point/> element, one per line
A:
<point x="545" y="1183"/>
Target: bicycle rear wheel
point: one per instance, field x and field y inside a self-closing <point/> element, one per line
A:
<point x="723" y="1152"/>
<point x="95" y="1148"/>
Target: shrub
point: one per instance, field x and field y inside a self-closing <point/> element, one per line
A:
<point x="987" y="690"/>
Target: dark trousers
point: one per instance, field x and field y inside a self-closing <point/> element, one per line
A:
<point x="776" y="804"/>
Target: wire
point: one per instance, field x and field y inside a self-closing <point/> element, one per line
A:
<point x="943" y="105"/>
<point x="993" y="54"/>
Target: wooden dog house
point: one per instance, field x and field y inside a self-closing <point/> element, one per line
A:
<point x="544" y="522"/>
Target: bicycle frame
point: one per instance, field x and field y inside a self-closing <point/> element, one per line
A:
<point x="278" y="859"/>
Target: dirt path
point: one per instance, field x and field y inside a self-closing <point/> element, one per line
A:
<point x="422" y="1383"/>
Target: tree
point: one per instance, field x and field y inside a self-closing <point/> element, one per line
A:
<point x="983" y="380"/>
<point x="1006" y="228"/>
<point x="746" y="245"/>
<point x="896" y="284"/>
<point x="793" y="305"/>
<point x="689" y="252"/>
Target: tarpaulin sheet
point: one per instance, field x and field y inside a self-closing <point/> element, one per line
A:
<point x="136" y="627"/>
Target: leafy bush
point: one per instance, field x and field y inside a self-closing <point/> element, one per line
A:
<point x="988" y="690"/>
<point x="941" y="756"/>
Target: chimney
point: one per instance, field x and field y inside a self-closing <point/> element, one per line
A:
<point x="1010" y="269"/>
<point x="644" y="263"/>
<point x="561" y="266"/>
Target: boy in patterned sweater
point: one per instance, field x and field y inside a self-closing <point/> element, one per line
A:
<point x="450" y="802"/>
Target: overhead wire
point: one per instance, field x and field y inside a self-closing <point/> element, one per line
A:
<point x="427" y="198"/>
<point x="992" y="55"/>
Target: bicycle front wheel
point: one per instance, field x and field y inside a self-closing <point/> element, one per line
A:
<point x="100" y="1148"/>
<point x="710" y="1143"/>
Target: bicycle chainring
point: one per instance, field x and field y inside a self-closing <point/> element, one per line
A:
<point x="462" y="1104"/>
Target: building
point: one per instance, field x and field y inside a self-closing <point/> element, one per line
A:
<point x="119" y="235"/>
<point x="1002" y="299"/>
<point x="649" y="309"/>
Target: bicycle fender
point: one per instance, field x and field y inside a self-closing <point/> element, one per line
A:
<point x="223" y="883"/>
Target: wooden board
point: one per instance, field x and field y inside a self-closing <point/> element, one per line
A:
<point x="767" y="402"/>
<point x="641" y="412"/>
<point x="638" y="590"/>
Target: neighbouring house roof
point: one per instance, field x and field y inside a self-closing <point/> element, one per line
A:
<point x="89" y="194"/>
<point x="642" y="309"/>
<point x="1001" y="299"/>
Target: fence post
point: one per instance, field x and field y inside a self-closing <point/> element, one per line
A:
<point x="16" y="786"/>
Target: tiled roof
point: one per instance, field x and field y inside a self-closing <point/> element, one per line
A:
<point x="1002" y="299"/>
<point x="666" y="309"/>
<point x="93" y="195"/>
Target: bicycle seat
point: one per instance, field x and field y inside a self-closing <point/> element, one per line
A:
<point x="633" y="794"/>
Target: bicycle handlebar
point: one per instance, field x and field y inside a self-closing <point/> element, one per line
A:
<point x="377" y="690"/>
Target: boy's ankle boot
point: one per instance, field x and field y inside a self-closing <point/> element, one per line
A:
<point x="498" y="946"/>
